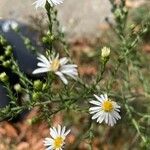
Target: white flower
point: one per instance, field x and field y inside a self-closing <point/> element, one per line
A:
<point x="42" y="3"/>
<point x="58" y="66"/>
<point x="105" y="110"/>
<point x="57" y="140"/>
<point x="8" y="25"/>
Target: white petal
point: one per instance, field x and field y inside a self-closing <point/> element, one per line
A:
<point x="98" y="98"/>
<point x="40" y="70"/>
<point x="101" y="118"/>
<point x="63" y="131"/>
<point x="53" y="133"/>
<point x="67" y="132"/>
<point x="59" y="130"/>
<point x="62" y="77"/>
<point x="105" y="96"/>
<point x="43" y="59"/>
<point x="42" y="65"/>
<point x="116" y="115"/>
<point x="95" y="102"/>
<point x="106" y="118"/>
<point x="96" y="115"/>
<point x="102" y="97"/>
<point x="94" y="108"/>
<point x="63" y="61"/>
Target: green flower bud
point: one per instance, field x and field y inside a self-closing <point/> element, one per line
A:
<point x="45" y="40"/>
<point x="3" y="77"/>
<point x="17" y="87"/>
<point x="52" y="37"/>
<point x="38" y="85"/>
<point x="2" y="40"/>
<point x="44" y="86"/>
<point x="7" y="63"/>
<point x="14" y="67"/>
<point x="27" y="41"/>
<point x="118" y="13"/>
<point x="125" y="10"/>
<point x="8" y="50"/>
<point x="36" y="96"/>
<point x="48" y="33"/>
<point x="2" y="58"/>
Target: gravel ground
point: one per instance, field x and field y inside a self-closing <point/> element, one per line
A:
<point x="78" y="19"/>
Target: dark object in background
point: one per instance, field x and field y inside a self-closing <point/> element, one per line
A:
<point x="26" y="60"/>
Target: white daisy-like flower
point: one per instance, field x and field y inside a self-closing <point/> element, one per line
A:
<point x="105" y="110"/>
<point x="57" y="140"/>
<point x="8" y="25"/>
<point x="42" y="3"/>
<point x="58" y="66"/>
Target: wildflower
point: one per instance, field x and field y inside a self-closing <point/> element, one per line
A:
<point x="8" y="25"/>
<point x="105" y="110"/>
<point x="42" y="3"/>
<point x="57" y="140"/>
<point x="58" y="66"/>
<point x="105" y="52"/>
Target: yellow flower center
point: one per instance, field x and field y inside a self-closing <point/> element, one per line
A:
<point x="107" y="106"/>
<point x="55" y="65"/>
<point x="58" y="142"/>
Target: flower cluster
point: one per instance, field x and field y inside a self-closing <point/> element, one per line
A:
<point x="104" y="109"/>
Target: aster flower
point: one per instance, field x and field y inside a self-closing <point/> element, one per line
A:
<point x="8" y="25"/>
<point x="42" y="3"/>
<point x="105" y="110"/>
<point x="57" y="66"/>
<point x="57" y="140"/>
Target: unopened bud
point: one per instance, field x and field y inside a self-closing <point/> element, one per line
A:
<point x="44" y="40"/>
<point x="8" y="50"/>
<point x="36" y="96"/>
<point x="2" y="40"/>
<point x="38" y="85"/>
<point x="105" y="52"/>
<point x="3" y="77"/>
<point x="6" y="63"/>
<point x="17" y="87"/>
<point x="2" y="58"/>
<point x="27" y="41"/>
<point x="44" y="86"/>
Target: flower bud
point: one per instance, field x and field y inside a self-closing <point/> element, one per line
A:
<point x="17" y="87"/>
<point x="27" y="41"/>
<point x="3" y="77"/>
<point x="8" y="50"/>
<point x="38" y="85"/>
<point x="2" y="58"/>
<point x="6" y="63"/>
<point x="105" y="52"/>
<point x="2" y="40"/>
<point x="45" y="40"/>
<point x="44" y="86"/>
<point x="14" y="68"/>
<point x="36" y="96"/>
